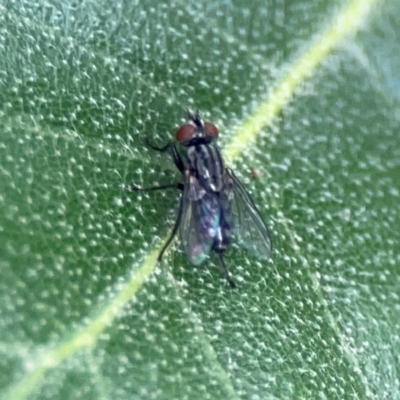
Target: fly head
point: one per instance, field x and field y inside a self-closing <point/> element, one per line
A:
<point x="196" y="131"/>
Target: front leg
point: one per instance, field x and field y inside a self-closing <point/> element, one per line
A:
<point x="176" y="157"/>
<point x="156" y="148"/>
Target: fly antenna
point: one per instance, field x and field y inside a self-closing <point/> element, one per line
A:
<point x="195" y="117"/>
<point x="188" y="115"/>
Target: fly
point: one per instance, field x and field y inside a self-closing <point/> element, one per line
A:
<point x="214" y="207"/>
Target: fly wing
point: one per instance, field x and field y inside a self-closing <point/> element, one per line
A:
<point x="248" y="225"/>
<point x="200" y="220"/>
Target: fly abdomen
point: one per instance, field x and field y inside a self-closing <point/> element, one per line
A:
<point x="223" y="238"/>
<point x="224" y="234"/>
<point x="210" y="217"/>
<point x="206" y="161"/>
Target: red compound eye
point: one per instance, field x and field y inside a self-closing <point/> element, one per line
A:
<point x="185" y="133"/>
<point x="211" y="129"/>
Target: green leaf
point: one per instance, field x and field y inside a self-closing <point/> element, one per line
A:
<point x="303" y="92"/>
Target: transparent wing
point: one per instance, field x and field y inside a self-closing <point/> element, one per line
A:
<point x="200" y="220"/>
<point x="248" y="225"/>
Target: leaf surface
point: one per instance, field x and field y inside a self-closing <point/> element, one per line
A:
<point x="302" y="92"/>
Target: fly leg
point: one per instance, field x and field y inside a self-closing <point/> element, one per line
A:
<point x="176" y="158"/>
<point x="133" y="187"/>
<point x="179" y="186"/>
<point x="174" y="231"/>
<point x="225" y="270"/>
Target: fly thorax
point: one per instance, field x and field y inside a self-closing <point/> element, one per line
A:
<point x="195" y="190"/>
<point x="206" y="161"/>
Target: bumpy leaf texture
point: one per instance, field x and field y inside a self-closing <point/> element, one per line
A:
<point x="305" y="93"/>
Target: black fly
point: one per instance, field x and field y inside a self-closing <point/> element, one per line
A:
<point x="214" y="206"/>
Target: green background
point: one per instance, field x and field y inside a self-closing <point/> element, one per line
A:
<point x="80" y="82"/>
